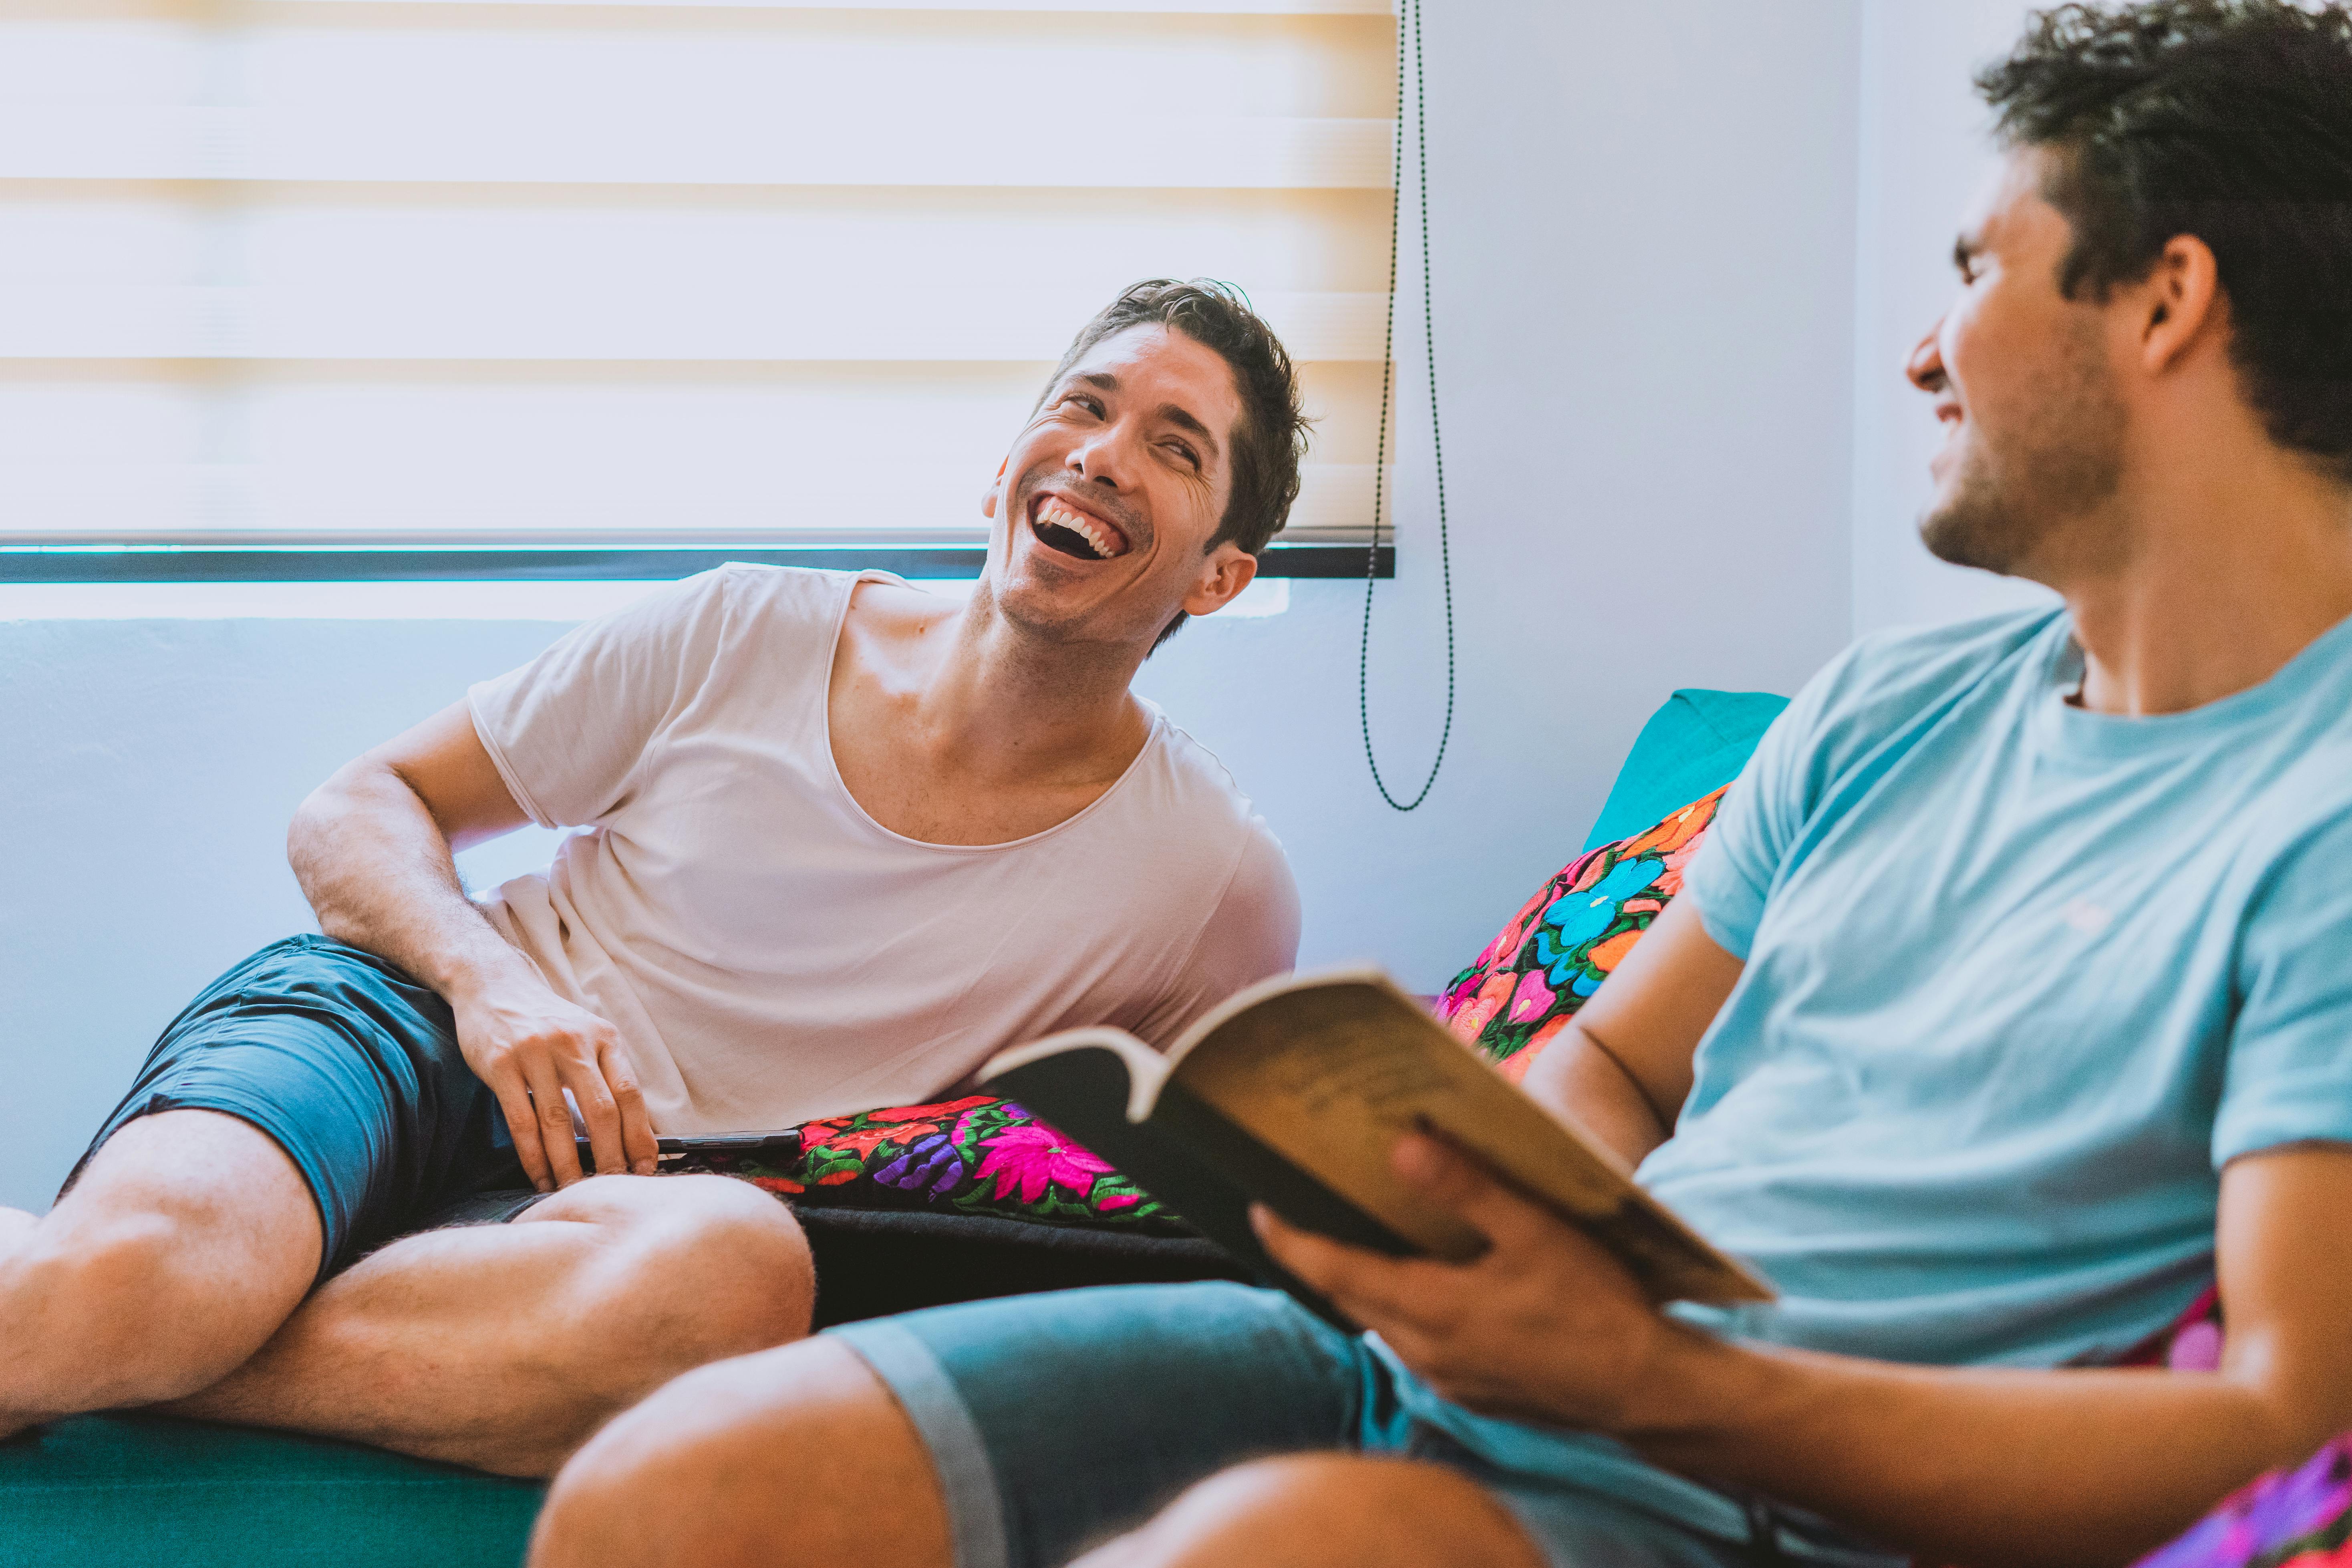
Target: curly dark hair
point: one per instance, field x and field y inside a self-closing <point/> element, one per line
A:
<point x="2229" y="120"/>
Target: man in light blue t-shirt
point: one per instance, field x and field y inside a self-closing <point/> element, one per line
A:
<point x="2009" y="1007"/>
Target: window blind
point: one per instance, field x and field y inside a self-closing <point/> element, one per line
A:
<point x="323" y="288"/>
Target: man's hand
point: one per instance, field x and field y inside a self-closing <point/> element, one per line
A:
<point x="529" y="1045"/>
<point x="1544" y="1326"/>
<point x="373" y="849"/>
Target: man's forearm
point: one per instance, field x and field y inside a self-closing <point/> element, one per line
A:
<point x="1580" y="1080"/>
<point x="1980" y="1467"/>
<point x="377" y="870"/>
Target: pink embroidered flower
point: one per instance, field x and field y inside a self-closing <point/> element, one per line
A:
<point x="1477" y="1013"/>
<point x="1670" y="880"/>
<point x="1029" y="1158"/>
<point x="1533" y="999"/>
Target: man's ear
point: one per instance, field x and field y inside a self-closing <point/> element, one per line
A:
<point x="995" y="488"/>
<point x="2180" y="302"/>
<point x="1227" y="571"/>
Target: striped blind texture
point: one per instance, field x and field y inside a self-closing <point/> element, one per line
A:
<point x="429" y="273"/>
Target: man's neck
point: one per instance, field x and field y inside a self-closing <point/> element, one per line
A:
<point x="2229" y="569"/>
<point x="1010" y="706"/>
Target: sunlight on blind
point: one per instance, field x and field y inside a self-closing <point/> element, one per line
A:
<point x="566" y="271"/>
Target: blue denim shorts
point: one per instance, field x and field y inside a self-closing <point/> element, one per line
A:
<point x="352" y="1068"/>
<point x="1056" y="1422"/>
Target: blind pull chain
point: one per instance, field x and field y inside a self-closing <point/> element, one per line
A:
<point x="1409" y="13"/>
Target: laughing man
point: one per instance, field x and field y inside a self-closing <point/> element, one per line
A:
<point x="840" y="840"/>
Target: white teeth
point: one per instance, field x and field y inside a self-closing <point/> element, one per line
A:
<point x="1097" y="536"/>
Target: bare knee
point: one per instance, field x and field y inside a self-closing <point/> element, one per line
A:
<point x="701" y="1267"/>
<point x="122" y="1310"/>
<point x="762" y="1460"/>
<point x="1346" y="1510"/>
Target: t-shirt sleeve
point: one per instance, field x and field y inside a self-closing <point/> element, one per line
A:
<point x="2287" y="1079"/>
<point x="1760" y="820"/>
<point x="1253" y="934"/>
<point x="568" y="731"/>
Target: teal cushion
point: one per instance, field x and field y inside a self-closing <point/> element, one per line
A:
<point x="1691" y="747"/>
<point x="140" y="1488"/>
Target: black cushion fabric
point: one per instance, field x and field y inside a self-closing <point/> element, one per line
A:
<point x="874" y="1262"/>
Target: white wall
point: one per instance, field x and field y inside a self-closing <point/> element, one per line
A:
<point x="1645" y="253"/>
<point x="1925" y="152"/>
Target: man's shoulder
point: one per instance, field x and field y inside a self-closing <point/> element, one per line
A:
<point x="1900" y="681"/>
<point x="1190" y="793"/>
<point x="780" y="590"/>
<point x="1914" y="659"/>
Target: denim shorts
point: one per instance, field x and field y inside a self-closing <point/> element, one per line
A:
<point x="353" y="1070"/>
<point x="1058" y="1421"/>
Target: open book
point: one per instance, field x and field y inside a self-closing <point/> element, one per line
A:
<point x="1293" y="1093"/>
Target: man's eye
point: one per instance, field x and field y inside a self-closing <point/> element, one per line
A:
<point x="1083" y="401"/>
<point x="1185" y="452"/>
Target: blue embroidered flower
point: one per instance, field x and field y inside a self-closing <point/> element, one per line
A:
<point x="1575" y="920"/>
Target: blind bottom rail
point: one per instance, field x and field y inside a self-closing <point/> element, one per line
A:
<point x="218" y="564"/>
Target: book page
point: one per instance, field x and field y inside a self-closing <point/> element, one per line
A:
<point x="1331" y="1073"/>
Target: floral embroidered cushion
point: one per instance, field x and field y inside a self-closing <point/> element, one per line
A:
<point x="976" y="1155"/>
<point x="1555" y="952"/>
<point x="2299" y="1518"/>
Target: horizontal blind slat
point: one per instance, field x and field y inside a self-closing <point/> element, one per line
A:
<point x="170" y="503"/>
<point x="74" y="143"/>
<point x="135" y="322"/>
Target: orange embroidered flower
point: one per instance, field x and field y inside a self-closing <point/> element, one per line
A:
<point x="1605" y="955"/>
<point x="1676" y="830"/>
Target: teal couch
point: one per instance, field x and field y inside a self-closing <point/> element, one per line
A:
<point x="108" y="1490"/>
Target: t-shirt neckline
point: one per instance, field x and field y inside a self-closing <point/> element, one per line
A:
<point x="1151" y="740"/>
<point x="2069" y="731"/>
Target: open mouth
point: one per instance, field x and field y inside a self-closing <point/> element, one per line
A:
<point x="1069" y="532"/>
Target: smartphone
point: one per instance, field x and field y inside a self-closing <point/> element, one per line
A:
<point x="771" y="1148"/>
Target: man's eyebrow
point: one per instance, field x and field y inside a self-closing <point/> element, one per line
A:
<point x="1182" y="420"/>
<point x="1101" y="378"/>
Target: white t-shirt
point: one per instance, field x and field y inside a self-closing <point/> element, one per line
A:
<point x="770" y="953"/>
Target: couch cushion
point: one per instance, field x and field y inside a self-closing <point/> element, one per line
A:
<point x="1519" y="994"/>
<point x="1695" y="745"/>
<point x="139" y="1488"/>
<point x="976" y="1155"/>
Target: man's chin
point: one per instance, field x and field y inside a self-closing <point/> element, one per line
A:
<point x="1966" y="526"/>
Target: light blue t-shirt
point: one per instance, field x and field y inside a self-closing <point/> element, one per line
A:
<point x="2019" y="979"/>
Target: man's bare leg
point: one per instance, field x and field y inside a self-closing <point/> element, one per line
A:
<point x="174" y="1274"/>
<point x="793" y="1456"/>
<point x="187" y="1241"/>
<point x="1327" y="1510"/>
<point x="504" y="1346"/>
<point x="802" y="1456"/>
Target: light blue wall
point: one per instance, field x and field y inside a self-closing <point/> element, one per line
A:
<point x="1645" y="273"/>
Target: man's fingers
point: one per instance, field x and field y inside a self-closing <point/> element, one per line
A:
<point x="522" y="1125"/>
<point x="637" y="1142"/>
<point x="555" y="1134"/>
<point x="1375" y="1290"/>
<point x="585" y="1079"/>
<point x="1506" y="1219"/>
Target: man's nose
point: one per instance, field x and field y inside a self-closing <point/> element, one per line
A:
<point x="1104" y="458"/>
<point x="1926" y="366"/>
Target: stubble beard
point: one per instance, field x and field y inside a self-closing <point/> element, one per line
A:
<point x="2017" y="496"/>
